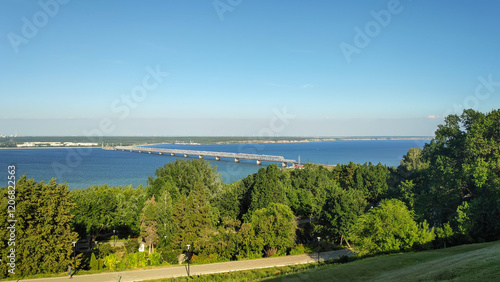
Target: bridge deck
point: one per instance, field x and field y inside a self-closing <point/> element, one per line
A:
<point x="257" y="157"/>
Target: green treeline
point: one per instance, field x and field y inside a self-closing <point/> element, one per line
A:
<point x="447" y="193"/>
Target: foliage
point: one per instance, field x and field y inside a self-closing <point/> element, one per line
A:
<point x="155" y="259"/>
<point x="270" y="185"/>
<point x="340" y="212"/>
<point x="43" y="238"/>
<point x="181" y="176"/>
<point x="371" y="179"/>
<point x="111" y="261"/>
<point x="94" y="264"/>
<point x="105" y="250"/>
<point x="192" y="218"/>
<point x="149" y="224"/>
<point x="388" y="228"/>
<point x="275" y="226"/>
<point x="134" y="260"/>
<point x="101" y="209"/>
<point x="444" y="236"/>
<point x="131" y="246"/>
<point x="310" y="186"/>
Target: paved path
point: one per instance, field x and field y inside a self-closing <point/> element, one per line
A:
<point x="199" y="269"/>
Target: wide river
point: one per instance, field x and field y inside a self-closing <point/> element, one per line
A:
<point x="81" y="168"/>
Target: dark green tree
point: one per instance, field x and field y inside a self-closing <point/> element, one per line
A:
<point x="270" y="185"/>
<point x="43" y="237"/>
<point x="193" y="220"/>
<point x="275" y="227"/>
<point x="342" y="209"/>
<point x="181" y="176"/>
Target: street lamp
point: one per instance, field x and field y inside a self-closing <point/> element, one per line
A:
<point x="319" y="239"/>
<point x="74" y="256"/>
<point x="114" y="238"/>
<point x="188" y="258"/>
<point x="165" y="240"/>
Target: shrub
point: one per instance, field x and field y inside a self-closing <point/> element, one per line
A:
<point x="111" y="261"/>
<point x="132" y="246"/>
<point x="155" y="259"/>
<point x="94" y="264"/>
<point x="172" y="257"/>
<point x="298" y="250"/>
<point x="105" y="250"/>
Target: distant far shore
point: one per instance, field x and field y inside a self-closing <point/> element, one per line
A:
<point x="257" y="141"/>
<point x="112" y="141"/>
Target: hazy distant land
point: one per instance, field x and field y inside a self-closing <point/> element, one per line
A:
<point x="109" y="141"/>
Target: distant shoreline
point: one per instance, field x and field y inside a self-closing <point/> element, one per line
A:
<point x="249" y="141"/>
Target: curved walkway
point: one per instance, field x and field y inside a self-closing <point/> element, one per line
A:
<point x="199" y="269"/>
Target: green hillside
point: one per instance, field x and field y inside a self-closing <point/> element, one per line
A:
<point x="475" y="262"/>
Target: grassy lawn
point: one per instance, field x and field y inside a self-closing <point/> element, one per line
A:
<point x="475" y="262"/>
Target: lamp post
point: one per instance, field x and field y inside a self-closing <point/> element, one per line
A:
<point x="74" y="256"/>
<point x="165" y="240"/>
<point x="319" y="239"/>
<point x="114" y="238"/>
<point x="188" y="258"/>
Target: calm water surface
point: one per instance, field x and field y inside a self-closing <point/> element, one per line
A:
<point x="81" y="168"/>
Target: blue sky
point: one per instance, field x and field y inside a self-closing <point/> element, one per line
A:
<point x="236" y="71"/>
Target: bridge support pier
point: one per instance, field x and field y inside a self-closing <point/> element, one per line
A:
<point x="172" y="154"/>
<point x="236" y="160"/>
<point x="259" y="162"/>
<point x="217" y="158"/>
<point x="140" y="151"/>
<point x="283" y="164"/>
<point x="161" y="153"/>
<point x="149" y="152"/>
<point x="185" y="155"/>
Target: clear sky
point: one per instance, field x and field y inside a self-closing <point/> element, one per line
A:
<point x="249" y="67"/>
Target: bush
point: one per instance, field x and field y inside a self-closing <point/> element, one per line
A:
<point x="155" y="259"/>
<point x="298" y="250"/>
<point x="111" y="261"/>
<point x="94" y="264"/>
<point x="132" y="246"/>
<point x="105" y="250"/>
<point x="134" y="260"/>
<point x="172" y="257"/>
<point x="201" y="259"/>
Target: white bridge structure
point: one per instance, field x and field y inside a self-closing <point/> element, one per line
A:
<point x="202" y="154"/>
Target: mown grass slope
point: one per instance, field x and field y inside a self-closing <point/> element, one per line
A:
<point x="475" y="262"/>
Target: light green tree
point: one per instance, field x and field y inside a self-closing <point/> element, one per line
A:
<point x="389" y="227"/>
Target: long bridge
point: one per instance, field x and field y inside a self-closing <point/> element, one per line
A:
<point x="202" y="154"/>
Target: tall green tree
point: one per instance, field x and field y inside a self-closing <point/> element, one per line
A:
<point x="342" y="209"/>
<point x="43" y="237"/>
<point x="149" y="224"/>
<point x="270" y="186"/>
<point x="193" y="219"/>
<point x="95" y="212"/>
<point x="310" y="186"/>
<point x="463" y="170"/>
<point x="275" y="227"/>
<point x="181" y="176"/>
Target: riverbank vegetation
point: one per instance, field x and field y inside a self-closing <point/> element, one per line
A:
<point x="442" y="195"/>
